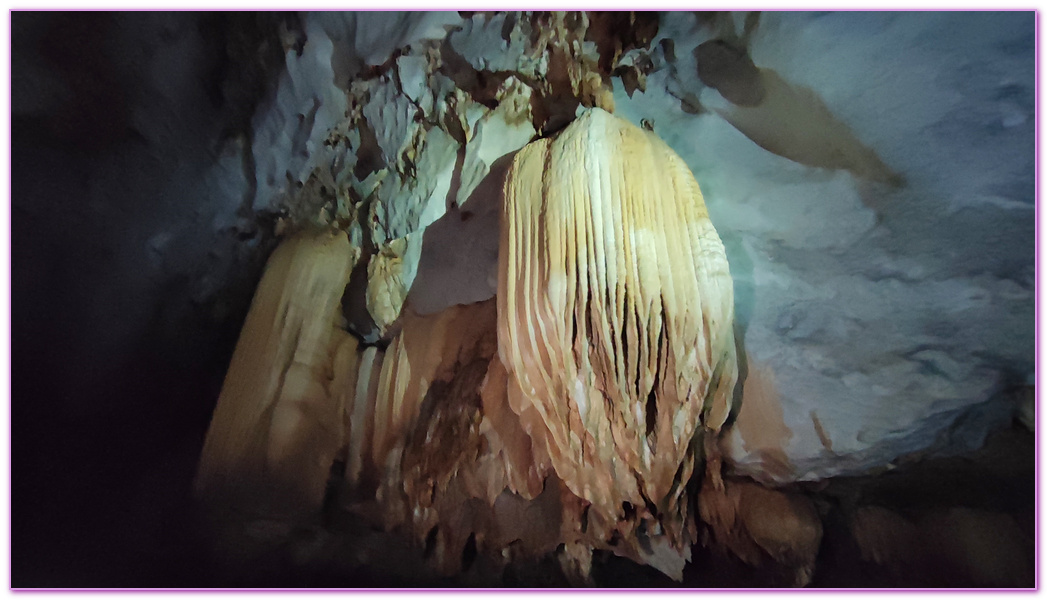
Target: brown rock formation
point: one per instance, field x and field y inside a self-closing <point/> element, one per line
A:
<point x="568" y="412"/>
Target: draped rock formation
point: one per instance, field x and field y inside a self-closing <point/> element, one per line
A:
<point x="568" y="413"/>
<point x="615" y="316"/>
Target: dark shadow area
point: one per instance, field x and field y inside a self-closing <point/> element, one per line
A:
<point x="116" y="362"/>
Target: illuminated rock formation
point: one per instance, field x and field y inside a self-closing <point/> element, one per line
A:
<point x="278" y="422"/>
<point x="615" y="319"/>
<point x="872" y="178"/>
<point x="568" y="412"/>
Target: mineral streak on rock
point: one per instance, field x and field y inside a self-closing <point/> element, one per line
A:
<point x="759" y="432"/>
<point x="569" y="414"/>
<point x="435" y="451"/>
<point x="568" y="411"/>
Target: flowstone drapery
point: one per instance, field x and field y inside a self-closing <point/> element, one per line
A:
<point x="570" y="411"/>
<point x="615" y="316"/>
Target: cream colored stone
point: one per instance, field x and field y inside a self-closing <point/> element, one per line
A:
<point x="278" y="422"/>
<point x="615" y="302"/>
<point x="390" y="273"/>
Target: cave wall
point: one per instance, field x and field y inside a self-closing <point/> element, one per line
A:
<point x="884" y="290"/>
<point x="890" y="313"/>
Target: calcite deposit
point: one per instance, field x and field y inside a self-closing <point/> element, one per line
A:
<point x="615" y="317"/>
<point x="278" y="422"/>
<point x="541" y="347"/>
<point x="586" y="388"/>
<point x="498" y="330"/>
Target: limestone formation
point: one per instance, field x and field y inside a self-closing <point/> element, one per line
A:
<point x="762" y="526"/>
<point x="569" y="411"/>
<point x="615" y="318"/>
<point x="500" y="324"/>
<point x="277" y="425"/>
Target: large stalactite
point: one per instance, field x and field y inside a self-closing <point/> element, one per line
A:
<point x="615" y="319"/>
<point x="568" y="412"/>
<point x="498" y="341"/>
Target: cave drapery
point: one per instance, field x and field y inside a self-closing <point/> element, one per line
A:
<point x="615" y="356"/>
<point x="557" y="383"/>
<point x="602" y="381"/>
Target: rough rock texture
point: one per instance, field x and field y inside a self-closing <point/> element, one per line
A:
<point x="611" y="356"/>
<point x="847" y="357"/>
<point x="385" y="142"/>
<point x="865" y="276"/>
<point x="756" y="524"/>
<point x="870" y="175"/>
<point x="885" y="290"/>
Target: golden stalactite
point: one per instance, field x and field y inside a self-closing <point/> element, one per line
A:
<point x="277" y="424"/>
<point x="615" y="313"/>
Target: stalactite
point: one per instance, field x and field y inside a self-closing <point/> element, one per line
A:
<point x="567" y="413"/>
<point x="277" y="424"/>
<point x="615" y="311"/>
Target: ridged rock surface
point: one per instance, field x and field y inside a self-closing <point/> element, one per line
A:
<point x="615" y="314"/>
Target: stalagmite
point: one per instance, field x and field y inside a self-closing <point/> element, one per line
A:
<point x="277" y="425"/>
<point x="615" y="316"/>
